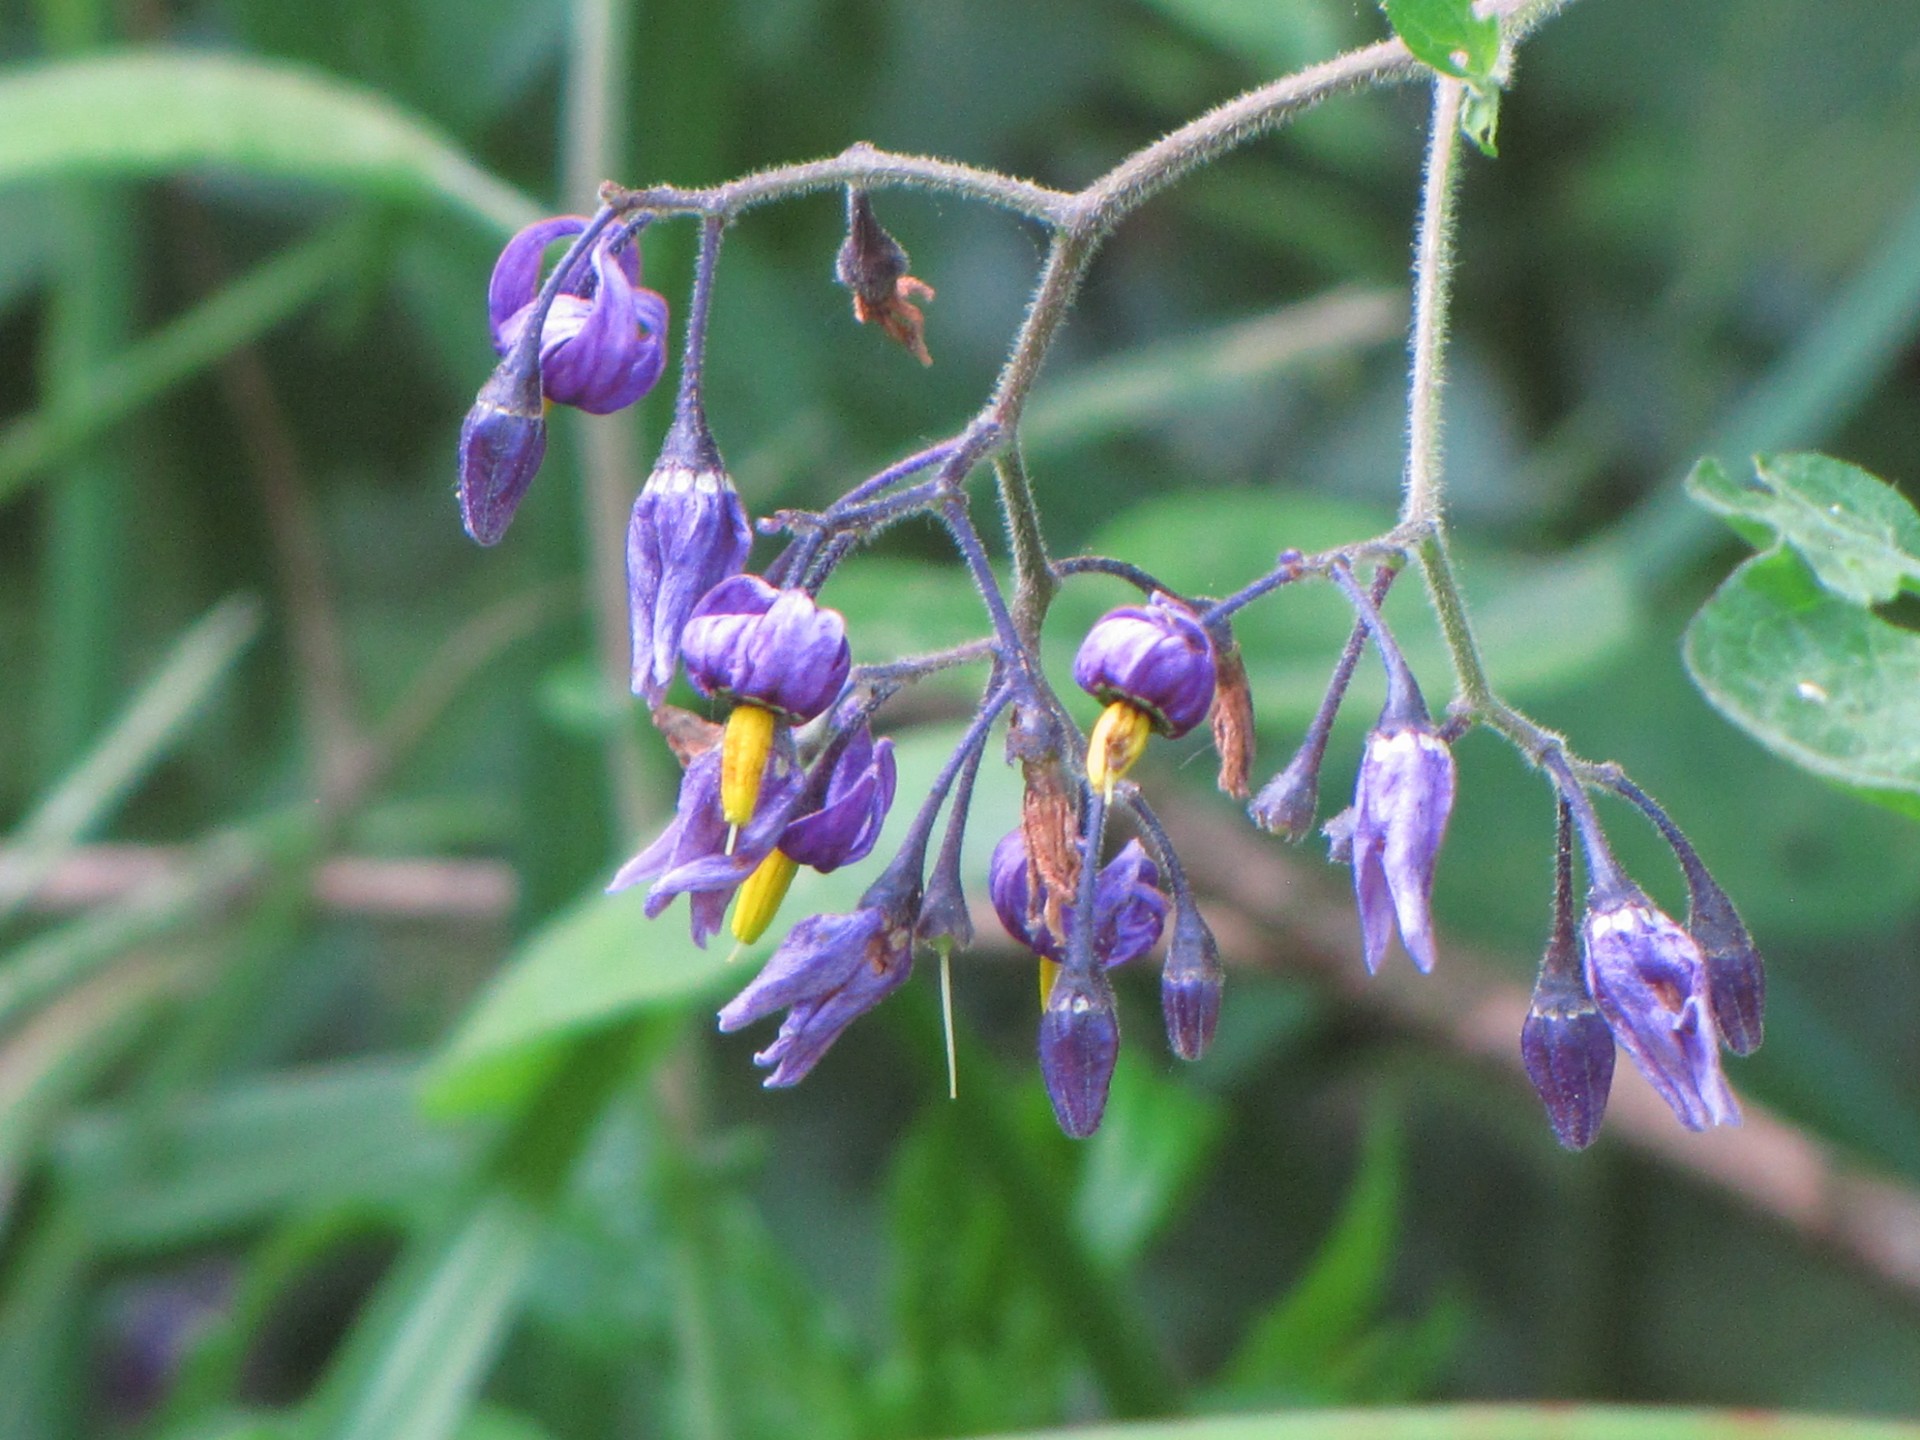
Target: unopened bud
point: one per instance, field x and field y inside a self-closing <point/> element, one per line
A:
<point x="1287" y="804"/>
<point x="1736" y="979"/>
<point x="1190" y="984"/>
<point x="1568" y="1051"/>
<point x="502" y="441"/>
<point x="1079" y="1045"/>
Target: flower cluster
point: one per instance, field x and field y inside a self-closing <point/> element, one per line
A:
<point x="789" y="773"/>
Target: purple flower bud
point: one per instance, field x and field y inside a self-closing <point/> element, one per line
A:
<point x="944" y="917"/>
<point x="1736" y="979"/>
<point x="1287" y="803"/>
<point x="1079" y="1044"/>
<point x="1568" y="1052"/>
<point x="502" y="442"/>
<point x="688" y="533"/>
<point x="1400" y="809"/>
<point x="1128" y="907"/>
<point x="859" y="784"/>
<point x="691" y="857"/>
<point x="829" y="971"/>
<point x="1650" y="982"/>
<point x="601" y="347"/>
<point x="776" y="648"/>
<point x="1190" y="984"/>
<point x="1155" y="657"/>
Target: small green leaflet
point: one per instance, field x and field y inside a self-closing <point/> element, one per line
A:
<point x="1447" y="35"/>
<point x="1791" y="647"/>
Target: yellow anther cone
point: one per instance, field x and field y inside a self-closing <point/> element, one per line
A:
<point x="760" y="896"/>
<point x="1119" y="739"/>
<point x="743" y="760"/>
<point x="1049" y="972"/>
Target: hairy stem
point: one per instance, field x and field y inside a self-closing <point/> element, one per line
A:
<point x="1432" y="277"/>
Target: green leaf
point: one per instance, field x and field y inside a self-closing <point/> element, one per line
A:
<point x="59" y="1054"/>
<point x="1562" y="1420"/>
<point x="153" y="114"/>
<point x="416" y="1360"/>
<point x="187" y="677"/>
<point x="1330" y="1306"/>
<point x="1814" y="678"/>
<point x="1447" y="35"/>
<point x="1163" y="381"/>
<point x="349" y="1134"/>
<point x="1150" y="1151"/>
<point x="1859" y="535"/>
<point x="1480" y="118"/>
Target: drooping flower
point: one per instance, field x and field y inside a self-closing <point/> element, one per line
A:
<point x="829" y="971"/>
<point x="1129" y="910"/>
<point x="778" y="654"/>
<point x="1400" y="810"/>
<point x="691" y="856"/>
<point x="603" y="344"/>
<point x="1153" y="667"/>
<point x="835" y="821"/>
<point x="688" y="533"/>
<point x="1650" y="981"/>
<point x="1079" y="1046"/>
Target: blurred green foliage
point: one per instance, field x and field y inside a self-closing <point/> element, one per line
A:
<point x="275" y="1163"/>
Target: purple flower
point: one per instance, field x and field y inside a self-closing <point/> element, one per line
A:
<point x="1568" y="1051"/>
<point x="1079" y="1045"/>
<point x="845" y="820"/>
<point x="1129" y="910"/>
<point x="1400" y="809"/>
<point x="1651" y="984"/>
<point x="688" y="533"/>
<point x="502" y="442"/>
<point x="1156" y="658"/>
<point x="829" y="971"/>
<point x="601" y="347"/>
<point x="690" y="857"/>
<point x="778" y="649"/>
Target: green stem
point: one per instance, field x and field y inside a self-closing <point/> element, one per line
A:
<point x="1425" y="497"/>
<point x="607" y="443"/>
<point x="1034" y="583"/>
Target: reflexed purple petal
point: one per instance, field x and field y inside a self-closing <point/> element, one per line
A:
<point x="1156" y="657"/>
<point x="603" y="343"/>
<point x="777" y="648"/>
<point x="1129" y="909"/>
<point x="690" y="856"/>
<point x="516" y="274"/>
<point x="1650" y="982"/>
<point x="830" y="970"/>
<point x="697" y="828"/>
<point x="845" y="829"/>
<point x="595" y="355"/>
